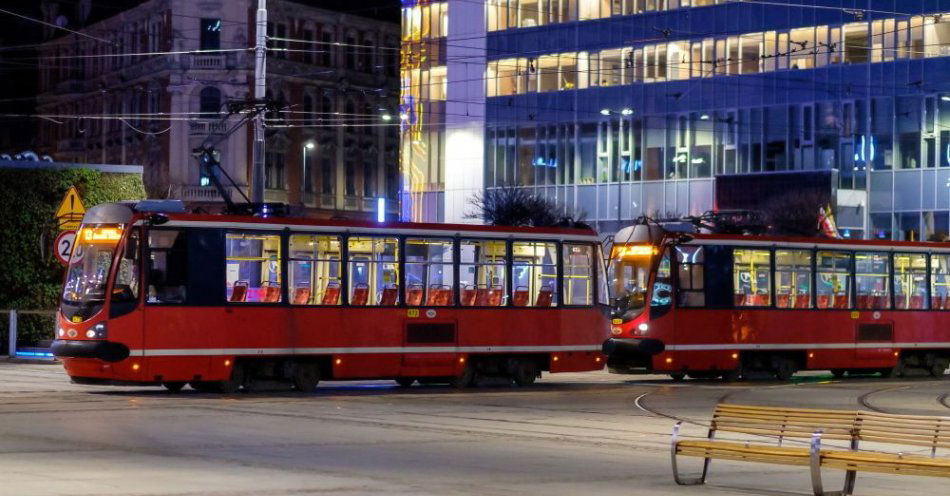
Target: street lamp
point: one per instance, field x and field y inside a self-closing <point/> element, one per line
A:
<point x="386" y="117"/>
<point x="307" y="181"/>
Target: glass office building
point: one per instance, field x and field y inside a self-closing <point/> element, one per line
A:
<point x="622" y="108"/>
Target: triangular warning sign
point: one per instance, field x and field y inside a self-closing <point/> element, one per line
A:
<point x="71" y="205"/>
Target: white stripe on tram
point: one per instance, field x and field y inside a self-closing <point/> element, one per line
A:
<point x="360" y="350"/>
<point x="799" y="346"/>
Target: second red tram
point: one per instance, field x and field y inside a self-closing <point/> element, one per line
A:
<point x="157" y="296"/>
<point x="706" y="306"/>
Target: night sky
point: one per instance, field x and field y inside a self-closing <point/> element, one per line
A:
<point x="18" y="74"/>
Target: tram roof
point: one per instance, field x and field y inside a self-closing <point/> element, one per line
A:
<point x="121" y="213"/>
<point x="805" y="242"/>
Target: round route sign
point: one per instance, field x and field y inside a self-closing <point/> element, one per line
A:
<point x="63" y="246"/>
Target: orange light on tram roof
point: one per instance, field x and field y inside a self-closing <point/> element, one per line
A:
<point x="100" y="234"/>
<point x="634" y="251"/>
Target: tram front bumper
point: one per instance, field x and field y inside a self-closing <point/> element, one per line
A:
<point x="103" y="350"/>
<point x="631" y="355"/>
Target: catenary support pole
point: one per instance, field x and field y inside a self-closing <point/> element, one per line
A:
<point x="260" y="88"/>
<point x="13" y="332"/>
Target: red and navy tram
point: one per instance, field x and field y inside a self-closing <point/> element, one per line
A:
<point x="154" y="295"/>
<point x="708" y="305"/>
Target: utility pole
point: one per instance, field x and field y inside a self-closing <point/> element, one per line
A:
<point x="260" y="81"/>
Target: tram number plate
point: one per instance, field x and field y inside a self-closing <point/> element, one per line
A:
<point x="412" y="313"/>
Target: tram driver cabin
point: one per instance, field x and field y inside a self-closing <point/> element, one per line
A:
<point x="154" y="295"/>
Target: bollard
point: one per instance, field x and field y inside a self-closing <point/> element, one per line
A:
<point x="12" y="352"/>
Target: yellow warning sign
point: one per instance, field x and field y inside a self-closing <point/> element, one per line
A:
<point x="69" y="214"/>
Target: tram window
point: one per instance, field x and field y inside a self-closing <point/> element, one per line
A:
<point x="482" y="277"/>
<point x="833" y="279"/>
<point x="253" y="268"/>
<point x="751" y="278"/>
<point x="793" y="278"/>
<point x="168" y="266"/>
<point x="689" y="272"/>
<point x="314" y="270"/>
<point x="535" y="274"/>
<point x="126" y="287"/>
<point x="872" y="279"/>
<point x="940" y="282"/>
<point x="910" y="281"/>
<point x="578" y="274"/>
<point x="429" y="277"/>
<point x="373" y="271"/>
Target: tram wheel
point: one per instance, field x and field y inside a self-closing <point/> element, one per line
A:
<point x="174" y="387"/>
<point x="234" y="383"/>
<point x="465" y="378"/>
<point x="939" y="367"/>
<point x="837" y="373"/>
<point x="678" y="376"/>
<point x="405" y="381"/>
<point x="306" y="377"/>
<point x="784" y="369"/>
<point x="732" y="375"/>
<point x="524" y="373"/>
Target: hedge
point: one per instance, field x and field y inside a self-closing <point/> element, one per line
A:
<point x="30" y="276"/>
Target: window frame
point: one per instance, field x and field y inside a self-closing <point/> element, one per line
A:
<point x="594" y="247"/>
<point x="403" y="261"/>
<point x="812" y="253"/>
<point x="771" y="294"/>
<point x="288" y="259"/>
<point x="282" y="240"/>
<point x="928" y="299"/>
<point x="558" y="275"/>
<point x="890" y="278"/>
<point x="507" y="287"/>
<point x="852" y="290"/>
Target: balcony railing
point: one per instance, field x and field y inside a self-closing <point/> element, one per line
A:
<point x="203" y="194"/>
<point x="211" y="61"/>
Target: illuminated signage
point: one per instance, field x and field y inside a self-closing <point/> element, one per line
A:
<point x="100" y="234"/>
<point x="634" y="251"/>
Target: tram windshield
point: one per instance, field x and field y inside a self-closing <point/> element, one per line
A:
<point x="88" y="273"/>
<point x="630" y="276"/>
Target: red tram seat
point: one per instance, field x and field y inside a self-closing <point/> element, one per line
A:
<point x="824" y="301"/>
<point x="783" y="300"/>
<point x="332" y="294"/>
<point x="841" y="301"/>
<point x="469" y="296"/>
<point x="481" y="297"/>
<point x="917" y="302"/>
<point x="388" y="297"/>
<point x="302" y="295"/>
<point x="864" y="302"/>
<point x="881" y="302"/>
<point x="545" y="297"/>
<point x="271" y="293"/>
<point x="495" y="296"/>
<point x="739" y="299"/>
<point x="802" y="301"/>
<point x="433" y="297"/>
<point x="760" y="300"/>
<point x="360" y="295"/>
<point x="939" y="302"/>
<point x="414" y="295"/>
<point x="443" y="297"/>
<point x="520" y="298"/>
<point x="239" y="291"/>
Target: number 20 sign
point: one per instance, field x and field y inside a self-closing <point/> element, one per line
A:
<point x="63" y="246"/>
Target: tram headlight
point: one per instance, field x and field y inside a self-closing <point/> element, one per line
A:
<point x="90" y="334"/>
<point x="643" y="327"/>
<point x="100" y="331"/>
<point x="60" y="332"/>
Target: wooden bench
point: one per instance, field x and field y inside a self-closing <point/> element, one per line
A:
<point x="850" y="427"/>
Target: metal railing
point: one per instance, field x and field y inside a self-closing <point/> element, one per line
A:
<point x="14" y="349"/>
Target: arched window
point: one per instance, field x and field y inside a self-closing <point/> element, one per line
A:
<point x="326" y="104"/>
<point x="349" y="113"/>
<point x="210" y="102"/>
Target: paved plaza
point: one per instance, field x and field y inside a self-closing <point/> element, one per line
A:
<point x="593" y="433"/>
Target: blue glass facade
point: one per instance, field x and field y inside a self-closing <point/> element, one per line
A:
<point x="625" y="115"/>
